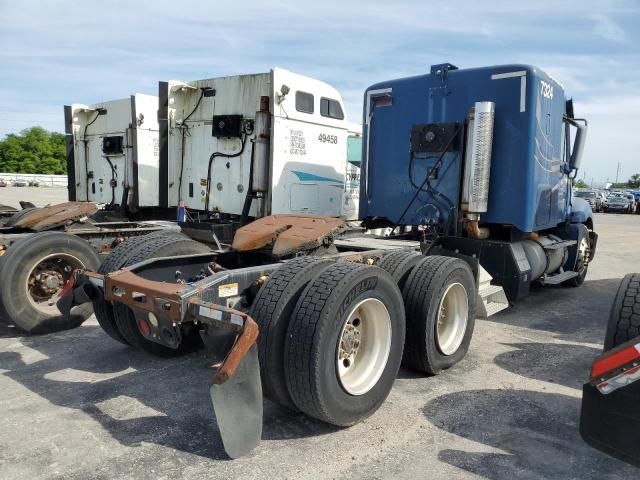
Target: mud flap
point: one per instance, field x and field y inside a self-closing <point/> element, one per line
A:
<point x="77" y="291"/>
<point x="611" y="423"/>
<point x="236" y="388"/>
<point x="237" y="403"/>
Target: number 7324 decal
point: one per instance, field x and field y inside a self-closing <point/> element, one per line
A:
<point x="324" y="138"/>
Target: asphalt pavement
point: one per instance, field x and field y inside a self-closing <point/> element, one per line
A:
<point x="79" y="405"/>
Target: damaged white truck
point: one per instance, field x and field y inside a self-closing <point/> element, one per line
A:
<point x="211" y="149"/>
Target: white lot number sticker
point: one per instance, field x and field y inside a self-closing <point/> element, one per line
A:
<point x="297" y="143"/>
<point x="228" y="290"/>
<point x="546" y="90"/>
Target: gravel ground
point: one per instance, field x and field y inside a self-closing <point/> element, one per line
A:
<point x="79" y="405"/>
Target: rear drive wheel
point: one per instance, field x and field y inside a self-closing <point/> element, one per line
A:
<point x="399" y="264"/>
<point x="624" y="318"/>
<point x="344" y="343"/>
<point x="34" y="271"/>
<point x="160" y="246"/>
<point x="272" y="310"/>
<point x="440" y="300"/>
<point x="117" y="259"/>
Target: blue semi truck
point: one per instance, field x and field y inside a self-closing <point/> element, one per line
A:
<point x="465" y="201"/>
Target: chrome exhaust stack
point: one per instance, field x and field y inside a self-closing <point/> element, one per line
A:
<point x="477" y="171"/>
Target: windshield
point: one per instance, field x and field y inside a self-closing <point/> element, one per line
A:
<point x="585" y="194"/>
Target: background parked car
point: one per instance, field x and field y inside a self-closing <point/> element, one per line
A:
<point x="620" y="202"/>
<point x="603" y="200"/>
<point x="2" y="183"/>
<point x="594" y="198"/>
<point x="20" y="182"/>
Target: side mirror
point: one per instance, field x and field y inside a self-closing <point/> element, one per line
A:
<point x="284" y="91"/>
<point x="578" y="146"/>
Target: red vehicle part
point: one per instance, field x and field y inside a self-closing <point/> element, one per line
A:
<point x="610" y="417"/>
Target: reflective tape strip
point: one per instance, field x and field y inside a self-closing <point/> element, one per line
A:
<point x="523" y="84"/>
<point x="615" y="360"/>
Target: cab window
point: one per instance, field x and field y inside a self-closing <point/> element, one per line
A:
<point x="354" y="150"/>
<point x="304" y="102"/>
<point x="331" y="108"/>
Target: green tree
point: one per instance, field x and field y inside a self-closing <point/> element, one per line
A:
<point x="580" y="184"/>
<point x="34" y="150"/>
<point x="634" y="181"/>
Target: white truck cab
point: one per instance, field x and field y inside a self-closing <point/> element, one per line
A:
<point x="218" y="152"/>
<point x="112" y="151"/>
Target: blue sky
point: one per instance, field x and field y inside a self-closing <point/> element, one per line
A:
<point x="60" y="52"/>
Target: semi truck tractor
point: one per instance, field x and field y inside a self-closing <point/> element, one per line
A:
<point x="222" y="150"/>
<point x="112" y="164"/>
<point x="113" y="152"/>
<point x="466" y="172"/>
<point x="252" y="145"/>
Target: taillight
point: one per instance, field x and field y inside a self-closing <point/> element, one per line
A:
<point x="617" y="367"/>
<point x="144" y="327"/>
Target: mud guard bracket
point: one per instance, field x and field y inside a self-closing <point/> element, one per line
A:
<point x="236" y="388"/>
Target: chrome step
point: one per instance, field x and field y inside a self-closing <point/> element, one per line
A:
<point x="558" y="278"/>
<point x="557" y="245"/>
<point x="491" y="298"/>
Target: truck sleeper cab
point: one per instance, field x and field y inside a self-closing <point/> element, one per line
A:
<point x="112" y="152"/>
<point x="267" y="143"/>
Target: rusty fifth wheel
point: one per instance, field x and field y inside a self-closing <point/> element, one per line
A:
<point x="344" y="343"/>
<point x="34" y="270"/>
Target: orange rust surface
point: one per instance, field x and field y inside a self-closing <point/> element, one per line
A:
<point x="129" y="285"/>
<point x="243" y="343"/>
<point x="286" y="233"/>
<point x="56" y="215"/>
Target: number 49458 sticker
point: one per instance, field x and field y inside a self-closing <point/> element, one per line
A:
<point x="324" y="138"/>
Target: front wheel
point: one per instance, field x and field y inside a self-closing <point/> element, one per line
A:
<point x="582" y="256"/>
<point x="34" y="271"/>
<point x="344" y="343"/>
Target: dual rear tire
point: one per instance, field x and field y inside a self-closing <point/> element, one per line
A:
<point x="118" y="320"/>
<point x="333" y="334"/>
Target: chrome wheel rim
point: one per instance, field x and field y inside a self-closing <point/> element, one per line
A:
<point x="583" y="253"/>
<point x="453" y="314"/>
<point x="363" y="346"/>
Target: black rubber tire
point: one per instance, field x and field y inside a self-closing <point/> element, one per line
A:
<point x="313" y="335"/>
<point x="399" y="264"/>
<point x="579" y="263"/>
<point x="158" y="246"/>
<point x="117" y="259"/>
<point x="16" y="265"/>
<point x="17" y="216"/>
<point x="624" y="318"/>
<point x="422" y="294"/>
<point x="272" y="309"/>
